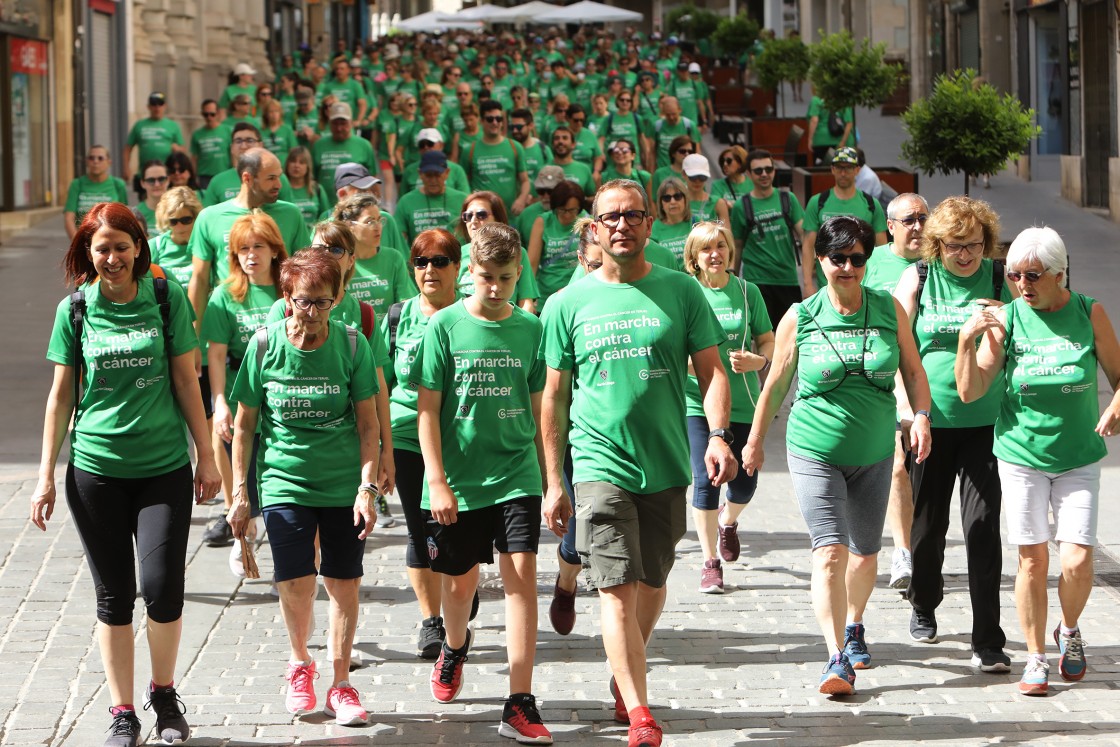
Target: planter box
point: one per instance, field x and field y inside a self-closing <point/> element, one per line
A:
<point x="772" y="133"/>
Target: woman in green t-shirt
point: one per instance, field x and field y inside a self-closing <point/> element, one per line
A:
<point x="309" y="382"/>
<point x="309" y="195"/>
<point x="277" y="137"/>
<point x="746" y="351"/>
<point x="128" y="484"/>
<point x="552" y="245"/>
<point x="702" y="206"/>
<point x="674" y="217"/>
<point x="175" y="216"/>
<point x="1049" y="435"/>
<point x="622" y="153"/>
<point x="680" y="148"/>
<point x="734" y="185"/>
<point x="845" y="343"/>
<point x="462" y="140"/>
<point x="153" y="177"/>
<point x="958" y="242"/>
<point x="236" y="309"/>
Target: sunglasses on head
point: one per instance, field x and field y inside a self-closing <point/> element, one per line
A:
<point x="186" y="220"/>
<point x="859" y="259"/>
<point x="438" y="262"/>
<point x="1032" y="277"/>
<point x="479" y="215"/>
<point x="763" y="170"/>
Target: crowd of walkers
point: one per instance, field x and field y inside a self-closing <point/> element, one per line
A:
<point x="493" y="277"/>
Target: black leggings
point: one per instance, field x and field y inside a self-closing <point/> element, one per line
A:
<point x="109" y="512"/>
<point x="410" y="489"/>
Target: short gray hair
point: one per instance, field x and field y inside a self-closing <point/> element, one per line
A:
<point x="894" y="205"/>
<point x="1038" y="243"/>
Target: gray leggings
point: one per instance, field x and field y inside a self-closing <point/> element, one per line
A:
<point x="842" y="505"/>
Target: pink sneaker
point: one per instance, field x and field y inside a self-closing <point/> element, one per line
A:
<point x="301" y="688"/>
<point x="344" y="706"/>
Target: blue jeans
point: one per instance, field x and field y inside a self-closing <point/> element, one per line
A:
<point x="705" y="496"/>
<point x="568" y="543"/>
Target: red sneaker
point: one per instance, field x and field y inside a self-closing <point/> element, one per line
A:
<point x="343" y="704"/>
<point x="522" y="721"/>
<point x="447" y="674"/>
<point x="645" y="733"/>
<point x="301" y="688"/>
<point x="621" y="715"/>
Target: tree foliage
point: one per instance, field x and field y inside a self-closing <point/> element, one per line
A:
<point x="966" y="126"/>
<point x="692" y="22"/>
<point x="846" y="74"/>
<point x="733" y="36"/>
<point x="781" y="61"/>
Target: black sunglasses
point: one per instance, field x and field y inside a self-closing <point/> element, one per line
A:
<point x="673" y="197"/>
<point x="921" y="218"/>
<point x="185" y="221"/>
<point x="336" y="251"/>
<point x="763" y="170"/>
<point x="493" y="119"/>
<point x="859" y="259"/>
<point x="438" y="262"/>
<point x="481" y="215"/>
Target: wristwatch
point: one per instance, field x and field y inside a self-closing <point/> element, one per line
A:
<point x="369" y="487"/>
<point x="723" y="433"/>
<point x="922" y="412"/>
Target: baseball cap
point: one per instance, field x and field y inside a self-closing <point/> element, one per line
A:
<point x="353" y="175"/>
<point x="846" y="155"/>
<point x="696" y="165"/>
<point x="243" y="69"/>
<point x="340" y="110"/>
<point x="694" y="67"/>
<point x="548" y="177"/>
<point x="156" y="98"/>
<point x="433" y="162"/>
<point x="671" y="40"/>
<point x="431" y="134"/>
<point x="682" y="66"/>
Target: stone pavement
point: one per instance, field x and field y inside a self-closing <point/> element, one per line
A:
<point x="725" y="670"/>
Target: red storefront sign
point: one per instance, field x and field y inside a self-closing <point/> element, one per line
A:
<point x="29" y="56"/>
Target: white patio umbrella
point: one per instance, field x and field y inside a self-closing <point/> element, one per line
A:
<point x="589" y="11"/>
<point x="434" y="21"/>
<point x="525" y="13"/>
<point x="485" y="13"/>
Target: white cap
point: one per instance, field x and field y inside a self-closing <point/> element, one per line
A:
<point x="431" y="134"/>
<point x="694" y="67"/>
<point x="696" y="165"/>
<point x="244" y="69"/>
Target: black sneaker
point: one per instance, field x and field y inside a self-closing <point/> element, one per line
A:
<point x="218" y="534"/>
<point x="125" y="731"/>
<point x="522" y="721"/>
<point x="923" y="626"/>
<point x="992" y="660"/>
<point x="169" y="709"/>
<point x="430" y="640"/>
<point x="474" y="607"/>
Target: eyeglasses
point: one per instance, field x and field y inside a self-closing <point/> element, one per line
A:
<point x="410" y="103"/>
<point x="517" y="127"/>
<point x="186" y="220"/>
<point x="424" y="144"/>
<point x="246" y="140"/>
<point x="621" y="151"/>
<point x="684" y="151"/>
<point x="622" y="99"/>
<point x="544" y="192"/>
<point x="209" y="115"/>
<point x="155" y="179"/>
<point x="577" y="120"/>
<point x="760" y="171"/>
<point x="492" y="120"/>
<point x="672" y="197"/>
<point x="592" y="265"/>
<point x="920" y="218"/>
<point x="727" y="161"/>
<point x="438" y="262"/>
<point x="859" y="259"/>
<point x="335" y="251"/>
<point x="303" y="304"/>
<point x="697" y="177"/>
<point x="567" y="210"/>
<point x="264" y="93"/>
<point x="632" y="217"/>
<point x="954" y="248"/>
<point x="479" y="215"/>
<point x="97" y="158"/>
<point x="1015" y="277"/>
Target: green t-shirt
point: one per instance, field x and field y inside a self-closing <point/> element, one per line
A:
<point x="385" y="124"/>
<point x="309" y="452"/>
<point x="1049" y="407"/>
<point x="211" y="148"/>
<point x="636" y="175"/>
<point x="822" y="137"/>
<point x="526" y="284"/>
<point x="628" y="126"/>
<point x="672" y="237"/>
<point x="885" y="268"/>
<point x="349" y="92"/>
<point x="232" y="323"/>
<point x="348" y="311"/>
<point x="495" y="168"/>
<point x="580" y="173"/>
<point x="558" y="255"/>
<point x="84" y="193"/>
<point x="742" y="316"/>
<point x="663" y="173"/>
<point x="174" y="259"/>
<point x="627" y="345"/>
<point x="456" y="178"/>
<point x="328" y="154"/>
<point x="487" y="373"/>
<point x="947" y="303"/>
<point x="732" y="193"/>
<point x="856" y="206"/>
<point x="769" y="259"/>
<point x="688" y="95"/>
<point x="288" y="106"/>
<point x="664" y="133"/>
<point x="310" y="205"/>
<point x="149" y="217"/>
<point x="279" y="141"/>
<point x="537" y="156"/>
<point x="703" y="210"/>
<point x="233" y="91"/>
<point x="586" y="148"/>
<point x="524" y="222"/>
<point x="301" y="120"/>
<point x="662" y="257"/>
<point x="417" y="212"/>
<point x="381" y="281"/>
<point x="210" y="237"/>
<point x="226" y="185"/>
<point x="155" y="138"/>
<point x="844" y="413"/>
<point x="128" y="423"/>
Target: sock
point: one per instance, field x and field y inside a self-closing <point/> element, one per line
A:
<point x="342" y="683"/>
<point x="1070" y="631"/>
<point x="122" y="709"/>
<point x="641" y="713"/>
<point x="854" y="622"/>
<point x="299" y="663"/>
<point x="1041" y="657"/>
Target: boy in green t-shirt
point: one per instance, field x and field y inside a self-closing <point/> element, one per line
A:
<point x="478" y="406"/>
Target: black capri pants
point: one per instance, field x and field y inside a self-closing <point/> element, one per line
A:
<point x="110" y="513"/>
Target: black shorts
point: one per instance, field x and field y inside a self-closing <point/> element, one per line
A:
<point x="207" y="398"/>
<point x="512" y="526"/>
<point x="778" y="299"/>
<point x="291" y="535"/>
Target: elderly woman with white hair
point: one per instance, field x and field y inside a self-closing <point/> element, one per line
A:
<point x="1048" y="435"/>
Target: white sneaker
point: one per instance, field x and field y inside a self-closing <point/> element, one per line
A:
<point x="384" y="516"/>
<point x="902" y="568"/>
<point x="236" y="566"/>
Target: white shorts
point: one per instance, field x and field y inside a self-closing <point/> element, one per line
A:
<point x="1029" y="494"/>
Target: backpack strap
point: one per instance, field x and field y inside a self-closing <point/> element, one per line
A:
<point x="260" y="337"/>
<point x="352" y="335"/>
<point x="748" y="213"/>
<point x="368" y="319"/>
<point x="77" y="324"/>
<point x="395" y="312"/>
<point x="822" y="198"/>
<point x="923" y="271"/>
<point x="607" y="125"/>
<point x="997" y="279"/>
<point x="787" y="216"/>
<point x="163" y="298"/>
<point x="870" y="204"/>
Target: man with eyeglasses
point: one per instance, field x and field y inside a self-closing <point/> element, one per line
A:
<point x="585" y="146"/>
<point x="624" y="334"/>
<point x="94" y="186"/>
<point x="464" y="97"/>
<point x="537" y="154"/>
<point x="155" y="137"/>
<point x="496" y="163"/>
<point x="343" y="146"/>
<point x="767" y="240"/>
<point x="503" y="82"/>
<point x="225" y="185"/>
<point x="843" y="199"/>
<point x="666" y="129"/>
<point x="428" y="140"/>
<point x="433" y="204"/>
<point x="210" y="145"/>
<point x="562" y="156"/>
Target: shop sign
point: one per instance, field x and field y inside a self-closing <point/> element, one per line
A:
<point x="29" y="56"/>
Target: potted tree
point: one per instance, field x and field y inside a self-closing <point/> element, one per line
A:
<point x="735" y="36"/>
<point x="782" y="61"/>
<point x="966" y="125"/>
<point x="846" y="74"/>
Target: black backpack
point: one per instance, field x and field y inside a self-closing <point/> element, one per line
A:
<point x="394" y="322"/>
<point x="787" y="215"/>
<point x="822" y="198"/>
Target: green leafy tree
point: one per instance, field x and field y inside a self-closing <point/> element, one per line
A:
<point x="966" y="126"/>
<point x="734" y="36"/>
<point x="846" y="74"/>
<point x="692" y="22"/>
<point x="781" y="61"/>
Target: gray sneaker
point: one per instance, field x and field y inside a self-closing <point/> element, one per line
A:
<point x="169" y="709"/>
<point x="902" y="568"/>
<point x="125" y="731"/>
<point x="384" y="516"/>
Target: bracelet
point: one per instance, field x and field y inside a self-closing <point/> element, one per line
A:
<point x="765" y="368"/>
<point x="369" y="487"/>
<point x="923" y="412"/>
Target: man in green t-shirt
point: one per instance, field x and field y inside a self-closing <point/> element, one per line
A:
<point x="210" y="145"/>
<point x="843" y="199"/>
<point x="521" y="129"/>
<point x="479" y="385"/>
<point x="580" y="173"/>
<point x="96" y="185"/>
<point x="156" y="137"/>
<point x="768" y="247"/>
<point x="828" y="129"/>
<point x="496" y="163"/>
<point x="344" y="88"/>
<point x="665" y="130"/>
<point x="433" y="205"/>
<point x="226" y="184"/>
<point x="341" y="147"/>
<point x="624" y="335"/>
<point x="585" y="146"/>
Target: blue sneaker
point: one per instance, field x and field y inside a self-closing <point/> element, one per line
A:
<point x="1072" y="665"/>
<point x="1036" y="677"/>
<point x="855" y="648"/>
<point x="838" y="677"/>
